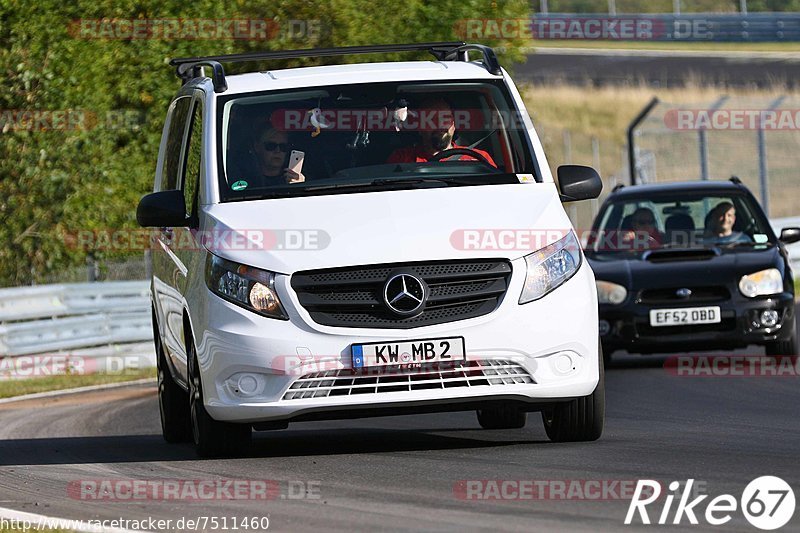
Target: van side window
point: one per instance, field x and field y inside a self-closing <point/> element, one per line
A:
<point x="172" y="154"/>
<point x="191" y="175"/>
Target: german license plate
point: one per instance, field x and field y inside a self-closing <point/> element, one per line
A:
<point x="682" y="317"/>
<point x="378" y="354"/>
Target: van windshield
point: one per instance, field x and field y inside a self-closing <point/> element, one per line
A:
<point x="382" y="136"/>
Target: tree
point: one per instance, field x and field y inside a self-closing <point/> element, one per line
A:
<point x="82" y="109"/>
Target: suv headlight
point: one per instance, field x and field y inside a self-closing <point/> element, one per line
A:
<point x="610" y="293"/>
<point x="248" y="287"/>
<point x="550" y="267"/>
<point x="761" y="283"/>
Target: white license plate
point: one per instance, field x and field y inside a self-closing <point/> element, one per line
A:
<point x="377" y="354"/>
<point x="684" y="316"/>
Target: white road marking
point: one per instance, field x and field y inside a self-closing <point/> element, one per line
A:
<point x="46" y="523"/>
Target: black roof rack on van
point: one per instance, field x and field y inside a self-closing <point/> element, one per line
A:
<point x="189" y="68"/>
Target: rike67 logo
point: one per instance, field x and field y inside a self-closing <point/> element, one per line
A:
<point x="767" y="502"/>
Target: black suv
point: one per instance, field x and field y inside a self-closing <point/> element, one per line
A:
<point x="691" y="266"/>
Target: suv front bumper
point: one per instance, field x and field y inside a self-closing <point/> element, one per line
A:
<point x="627" y="327"/>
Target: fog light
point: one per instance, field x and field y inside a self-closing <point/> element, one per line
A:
<point x="605" y="328"/>
<point x="247" y="385"/>
<point x="769" y="318"/>
<point x="564" y="363"/>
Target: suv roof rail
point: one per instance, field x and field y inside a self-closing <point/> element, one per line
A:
<point x="736" y="180"/>
<point x="189" y="68"/>
<point x="618" y="187"/>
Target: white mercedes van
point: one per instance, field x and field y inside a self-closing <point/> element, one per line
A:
<point x="365" y="239"/>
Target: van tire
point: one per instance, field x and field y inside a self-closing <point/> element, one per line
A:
<point x="211" y="438"/>
<point x="581" y="419"/>
<point x="173" y="401"/>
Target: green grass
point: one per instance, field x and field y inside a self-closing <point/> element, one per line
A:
<point x="604" y="114"/>
<point x="42" y="384"/>
<point x="679" y="46"/>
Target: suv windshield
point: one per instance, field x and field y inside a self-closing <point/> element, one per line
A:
<point x="352" y="138"/>
<point x="634" y="225"/>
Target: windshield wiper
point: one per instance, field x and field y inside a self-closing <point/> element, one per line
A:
<point x="388" y="181"/>
<point x="415" y="181"/>
<point x="261" y="196"/>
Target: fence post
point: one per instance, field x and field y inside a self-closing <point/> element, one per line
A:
<point x="703" y="140"/>
<point x="567" y="147"/>
<point x="92" y="268"/>
<point x="573" y="209"/>
<point x="763" y="168"/>
<point x="148" y="265"/>
<point x="703" y="146"/>
<point x="632" y="155"/>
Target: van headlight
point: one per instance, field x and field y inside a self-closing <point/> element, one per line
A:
<point x="245" y="286"/>
<point x="550" y="267"/>
<point x="610" y="293"/>
<point x="761" y="283"/>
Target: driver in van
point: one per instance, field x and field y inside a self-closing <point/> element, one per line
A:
<point x="438" y="139"/>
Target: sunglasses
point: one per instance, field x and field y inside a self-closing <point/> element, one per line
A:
<point x="271" y="146"/>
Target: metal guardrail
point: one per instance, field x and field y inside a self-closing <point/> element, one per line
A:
<point x="85" y="320"/>
<point x="112" y="319"/>
<point x="685" y="27"/>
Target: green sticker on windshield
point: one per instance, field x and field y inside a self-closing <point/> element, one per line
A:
<point x="239" y="185"/>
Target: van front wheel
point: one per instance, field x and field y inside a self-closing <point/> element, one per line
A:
<point x="581" y="419"/>
<point x="211" y="437"/>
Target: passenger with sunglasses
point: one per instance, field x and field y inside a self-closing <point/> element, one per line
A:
<point x="271" y="149"/>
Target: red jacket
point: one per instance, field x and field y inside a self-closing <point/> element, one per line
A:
<point x="417" y="154"/>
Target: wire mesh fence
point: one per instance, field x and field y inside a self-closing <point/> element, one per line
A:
<point x="131" y="269"/>
<point x="754" y="138"/>
<point x="568" y="147"/>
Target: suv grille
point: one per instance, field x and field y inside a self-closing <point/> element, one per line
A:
<point x="670" y="296"/>
<point x="353" y="296"/>
<point x="349" y="382"/>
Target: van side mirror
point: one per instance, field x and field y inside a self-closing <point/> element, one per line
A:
<point x="162" y="209"/>
<point x="578" y="182"/>
<point x="790" y="235"/>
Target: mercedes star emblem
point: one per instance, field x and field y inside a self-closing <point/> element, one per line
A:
<point x="405" y="294"/>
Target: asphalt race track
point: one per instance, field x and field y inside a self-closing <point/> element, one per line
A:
<point x="404" y="473"/>
<point x="600" y="68"/>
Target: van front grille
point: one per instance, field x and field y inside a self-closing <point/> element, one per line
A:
<point x="353" y="296"/>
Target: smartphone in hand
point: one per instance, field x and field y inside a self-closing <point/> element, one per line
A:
<point x="296" y="161"/>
